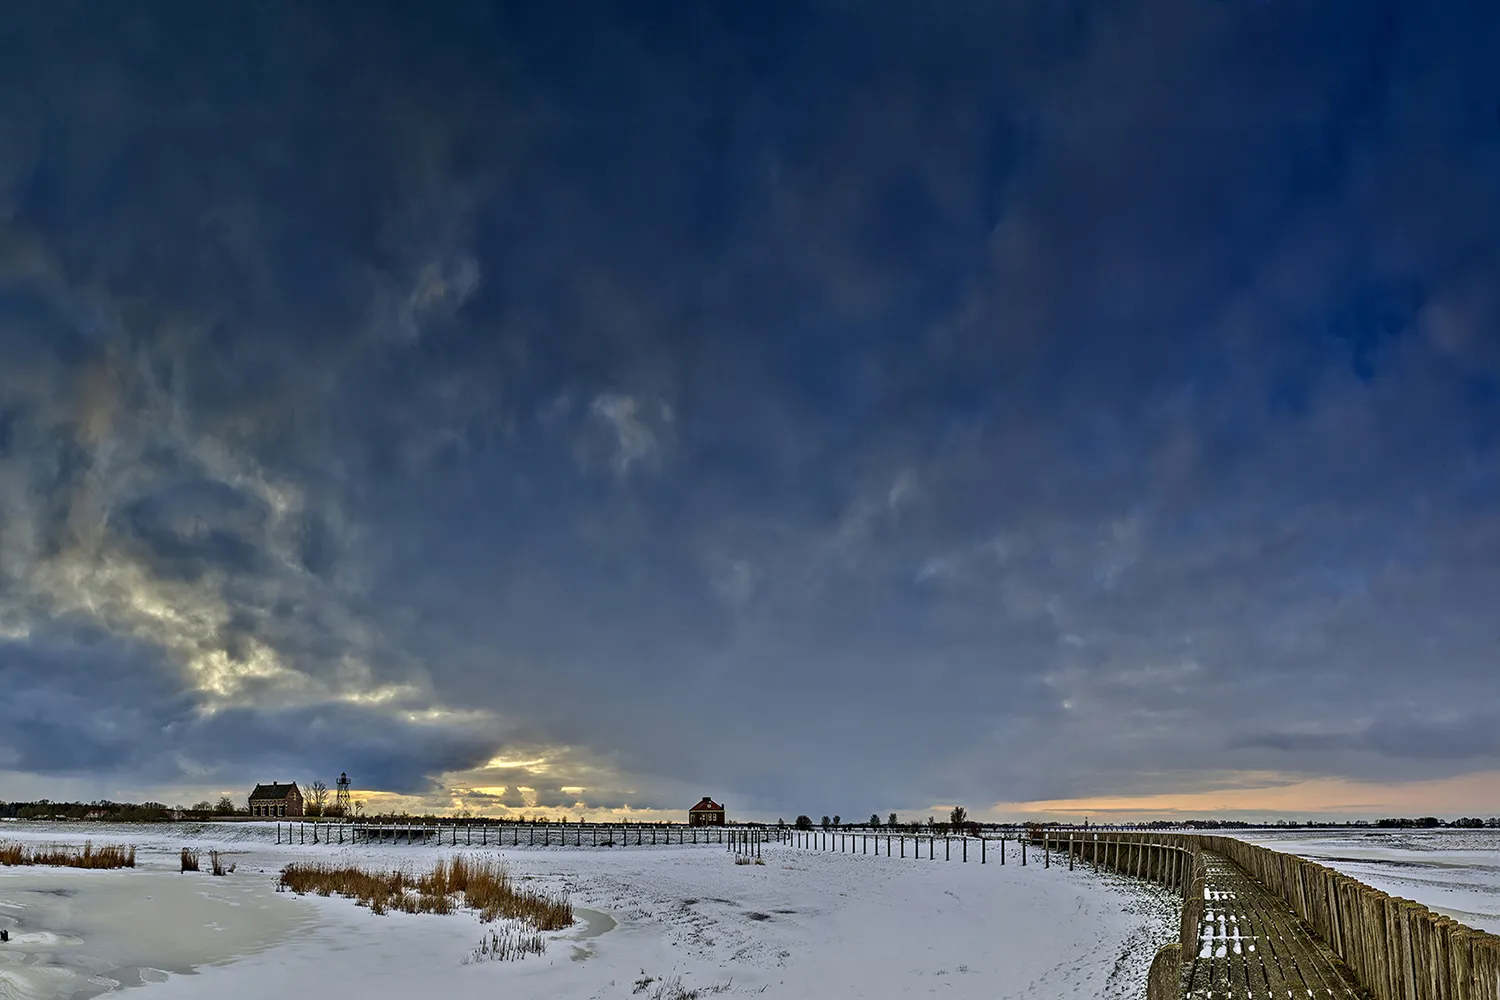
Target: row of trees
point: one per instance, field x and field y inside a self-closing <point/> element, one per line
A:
<point x="117" y="812"/>
<point x="1432" y="822"/>
<point x="957" y="820"/>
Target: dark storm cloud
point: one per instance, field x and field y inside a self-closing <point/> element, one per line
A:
<point x="981" y="403"/>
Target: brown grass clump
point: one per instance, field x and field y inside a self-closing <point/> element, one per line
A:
<point x="481" y="885"/>
<point x="58" y="856"/>
<point x="189" y="860"/>
<point x="510" y="945"/>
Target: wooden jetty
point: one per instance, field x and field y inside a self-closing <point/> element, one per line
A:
<point x="1257" y="923"/>
<point x="483" y="834"/>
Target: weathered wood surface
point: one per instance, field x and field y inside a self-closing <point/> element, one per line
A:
<point x="1250" y="945"/>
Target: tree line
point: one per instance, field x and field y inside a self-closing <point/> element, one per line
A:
<point x="957" y="822"/>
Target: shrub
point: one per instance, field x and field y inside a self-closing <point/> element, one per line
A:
<point x="189" y="860"/>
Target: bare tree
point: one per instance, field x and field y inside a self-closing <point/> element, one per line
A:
<point x="318" y="793"/>
<point x="958" y="816"/>
<point x="891" y="821"/>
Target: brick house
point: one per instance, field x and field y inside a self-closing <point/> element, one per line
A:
<point x="706" y="813"/>
<point x="276" y="799"/>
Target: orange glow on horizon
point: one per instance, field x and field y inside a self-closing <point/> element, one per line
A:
<point x="1469" y="794"/>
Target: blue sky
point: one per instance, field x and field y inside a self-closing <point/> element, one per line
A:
<point x="827" y="407"/>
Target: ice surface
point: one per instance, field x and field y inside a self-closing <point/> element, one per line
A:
<point x="78" y="934"/>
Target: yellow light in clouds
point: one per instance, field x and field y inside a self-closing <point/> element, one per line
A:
<point x="381" y="695"/>
<point x="499" y="762"/>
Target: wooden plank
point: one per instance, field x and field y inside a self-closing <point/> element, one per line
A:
<point x="1259" y="947"/>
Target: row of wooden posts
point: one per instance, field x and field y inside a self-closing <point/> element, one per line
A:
<point x="1102" y="850"/>
<point x="844" y="842"/>
<point x="520" y="834"/>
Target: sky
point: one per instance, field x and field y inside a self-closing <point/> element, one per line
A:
<point x="1056" y="408"/>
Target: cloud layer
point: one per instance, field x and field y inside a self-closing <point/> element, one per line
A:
<point x="823" y="407"/>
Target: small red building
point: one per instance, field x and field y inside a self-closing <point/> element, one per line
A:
<point x="706" y="813"/>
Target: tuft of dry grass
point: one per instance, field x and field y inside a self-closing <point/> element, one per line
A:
<point x="59" y="856"/>
<point x="671" y="988"/>
<point x="189" y="860"/>
<point x="482" y="885"/>
<point x="509" y="945"/>
<point x="216" y="863"/>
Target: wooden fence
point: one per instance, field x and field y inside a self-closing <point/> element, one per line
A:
<point x="1396" y="948"/>
<point x="986" y="850"/>
<point x="520" y="834"/>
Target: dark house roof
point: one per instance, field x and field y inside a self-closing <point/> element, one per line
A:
<point x="275" y="791"/>
<point x="707" y="805"/>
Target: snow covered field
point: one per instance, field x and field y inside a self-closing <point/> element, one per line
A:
<point x="1456" y="872"/>
<point x="805" y="924"/>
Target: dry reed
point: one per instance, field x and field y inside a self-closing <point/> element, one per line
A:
<point x="60" y="856"/>
<point x="189" y="860"/>
<point x="509" y="945"/>
<point x="481" y="885"/>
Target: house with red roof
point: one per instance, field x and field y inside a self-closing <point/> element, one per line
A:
<point x="706" y="813"/>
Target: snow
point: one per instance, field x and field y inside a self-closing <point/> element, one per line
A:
<point x="803" y="924"/>
<point x="1455" y="872"/>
